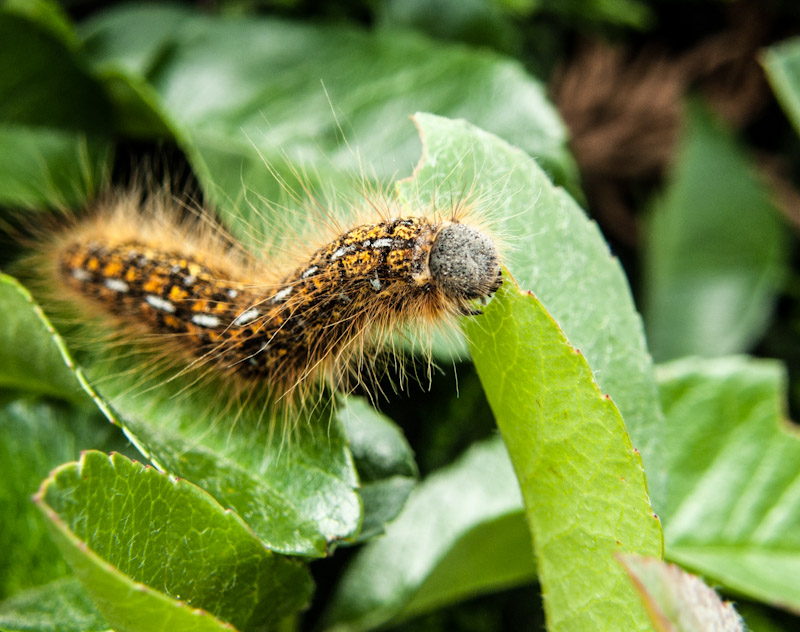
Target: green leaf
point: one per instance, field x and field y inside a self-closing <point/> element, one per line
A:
<point x="677" y="601"/>
<point x="62" y="605"/>
<point x="489" y="22"/>
<point x="782" y="63"/>
<point x="582" y="482"/>
<point x="459" y="534"/>
<point x="552" y="245"/>
<point x="554" y="250"/>
<point x="633" y="13"/>
<point x="384" y="460"/>
<point x="733" y="506"/>
<point x="46" y="13"/>
<point x="158" y="553"/>
<point x="41" y="75"/>
<point x="716" y="250"/>
<point x="297" y="491"/>
<point x="474" y="22"/>
<point x="297" y="497"/>
<point x="282" y="103"/>
<point x="32" y="355"/>
<point x="44" y="167"/>
<point x="35" y="437"/>
<point x="50" y="155"/>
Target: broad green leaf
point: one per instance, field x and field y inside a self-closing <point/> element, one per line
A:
<point x="35" y="437"/>
<point x="497" y="23"/>
<point x="553" y="249"/>
<point x="281" y="104"/>
<point x="50" y="154"/>
<point x="32" y="356"/>
<point x="677" y="601"/>
<point x="782" y="63"/>
<point x="158" y="553"/>
<point x="62" y="605"/>
<point x="716" y="250"/>
<point x="47" y="13"/>
<point x="297" y="496"/>
<point x="384" y="460"/>
<point x="459" y="534"/>
<point x="582" y="482"/>
<point x="734" y="509"/>
<point x="474" y="22"/>
<point x="41" y="75"/>
<point x="44" y="167"/>
<point x="297" y="492"/>
<point x="633" y="13"/>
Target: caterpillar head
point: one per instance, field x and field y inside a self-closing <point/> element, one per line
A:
<point x="464" y="263"/>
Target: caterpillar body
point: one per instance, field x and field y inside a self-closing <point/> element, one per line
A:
<point x="311" y="318"/>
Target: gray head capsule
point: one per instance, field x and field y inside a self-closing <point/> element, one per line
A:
<point x="464" y="262"/>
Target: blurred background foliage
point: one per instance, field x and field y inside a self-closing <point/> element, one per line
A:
<point x="673" y="139"/>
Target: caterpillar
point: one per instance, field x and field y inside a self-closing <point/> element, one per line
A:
<point x="288" y="322"/>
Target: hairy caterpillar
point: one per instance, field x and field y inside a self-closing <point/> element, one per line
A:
<point x="289" y="322"/>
